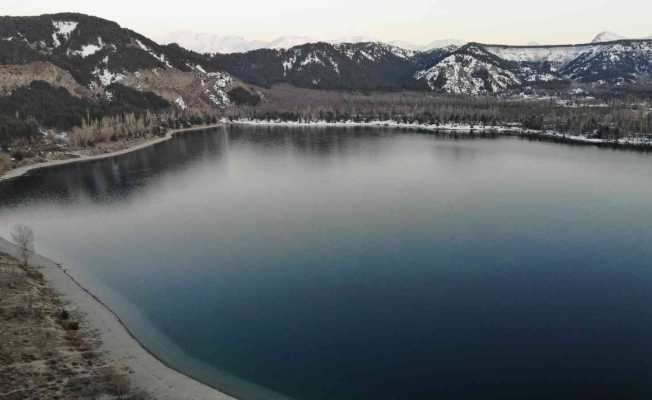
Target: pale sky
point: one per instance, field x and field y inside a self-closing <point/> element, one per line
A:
<point x="417" y="21"/>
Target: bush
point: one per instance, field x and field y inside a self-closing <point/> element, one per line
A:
<point x="5" y="163"/>
<point x="72" y="326"/>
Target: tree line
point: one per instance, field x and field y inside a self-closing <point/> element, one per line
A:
<point x="607" y="120"/>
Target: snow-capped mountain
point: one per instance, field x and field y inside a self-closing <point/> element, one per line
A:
<point x="98" y="54"/>
<point x="212" y="43"/>
<point x="285" y="42"/>
<point x="471" y="70"/>
<point x="607" y="36"/>
<point x="329" y="66"/>
<point x="441" y="44"/>
<point x="487" y="69"/>
<point x="88" y="55"/>
<point x="619" y="62"/>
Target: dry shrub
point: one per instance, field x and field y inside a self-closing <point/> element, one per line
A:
<point x="118" y="385"/>
<point x="5" y="162"/>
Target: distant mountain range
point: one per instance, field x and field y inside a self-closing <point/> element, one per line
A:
<point x="90" y="57"/>
<point x="212" y="43"/>
<point x="473" y="69"/>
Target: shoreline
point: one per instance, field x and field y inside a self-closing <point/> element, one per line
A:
<point x="475" y="130"/>
<point x="147" y="372"/>
<point x="630" y="142"/>
<point x="22" y="171"/>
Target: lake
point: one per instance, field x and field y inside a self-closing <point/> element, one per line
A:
<point x="315" y="263"/>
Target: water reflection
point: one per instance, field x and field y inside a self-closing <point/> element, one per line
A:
<point x="111" y="180"/>
<point x="355" y="264"/>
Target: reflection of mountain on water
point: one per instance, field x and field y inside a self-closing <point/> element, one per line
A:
<point x="326" y="142"/>
<point x="110" y="180"/>
<point x="116" y="178"/>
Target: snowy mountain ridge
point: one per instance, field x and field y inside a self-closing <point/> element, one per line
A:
<point x="607" y="36"/>
<point x="492" y="69"/>
<point x="98" y="54"/>
<point x="213" y="43"/>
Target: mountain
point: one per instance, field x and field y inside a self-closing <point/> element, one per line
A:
<point x="471" y="70"/>
<point x="285" y="42"/>
<point x="89" y="56"/>
<point x="621" y="62"/>
<point x="210" y="43"/>
<point x="607" y="36"/>
<point x="443" y="43"/>
<point x="474" y="69"/>
<point x="611" y="62"/>
<point x="350" y="66"/>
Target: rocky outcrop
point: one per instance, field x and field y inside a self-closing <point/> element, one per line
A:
<point x="14" y="76"/>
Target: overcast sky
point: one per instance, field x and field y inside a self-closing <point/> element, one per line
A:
<point x="418" y="21"/>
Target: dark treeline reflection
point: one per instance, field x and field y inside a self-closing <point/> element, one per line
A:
<point x="323" y="142"/>
<point x="116" y="178"/>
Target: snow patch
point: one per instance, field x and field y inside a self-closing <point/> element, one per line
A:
<point x="180" y="103"/>
<point x="62" y="29"/>
<point x="88" y="49"/>
<point x="217" y="94"/>
<point x="151" y="52"/>
<point x="104" y="75"/>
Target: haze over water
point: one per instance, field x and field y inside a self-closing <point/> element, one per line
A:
<point x="366" y="264"/>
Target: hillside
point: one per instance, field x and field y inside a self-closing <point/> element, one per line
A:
<point x="473" y="69"/>
<point x="86" y="55"/>
<point x="348" y="66"/>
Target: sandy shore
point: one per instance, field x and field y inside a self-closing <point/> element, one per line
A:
<point x="18" y="172"/>
<point x="148" y="373"/>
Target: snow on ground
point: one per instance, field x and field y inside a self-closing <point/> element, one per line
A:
<point x="62" y="29"/>
<point x="179" y="102"/>
<point x="88" y="49"/>
<point x="104" y="75"/>
<point x="471" y="129"/>
<point x="312" y="58"/>
<point x="217" y="94"/>
<point x="151" y="52"/>
<point x="557" y="55"/>
<point x="288" y="64"/>
<point x="461" y="74"/>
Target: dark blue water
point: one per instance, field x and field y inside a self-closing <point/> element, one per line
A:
<point x="362" y="264"/>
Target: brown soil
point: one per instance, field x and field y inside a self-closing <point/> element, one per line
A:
<point x="46" y="351"/>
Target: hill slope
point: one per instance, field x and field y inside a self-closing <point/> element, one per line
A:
<point x="98" y="53"/>
<point x="86" y="54"/>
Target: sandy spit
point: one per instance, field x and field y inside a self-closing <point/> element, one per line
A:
<point x="148" y="373"/>
<point x="18" y="172"/>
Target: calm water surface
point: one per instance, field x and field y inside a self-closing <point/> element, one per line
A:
<point x="366" y="264"/>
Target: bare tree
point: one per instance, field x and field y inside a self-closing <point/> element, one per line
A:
<point x="23" y="236"/>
